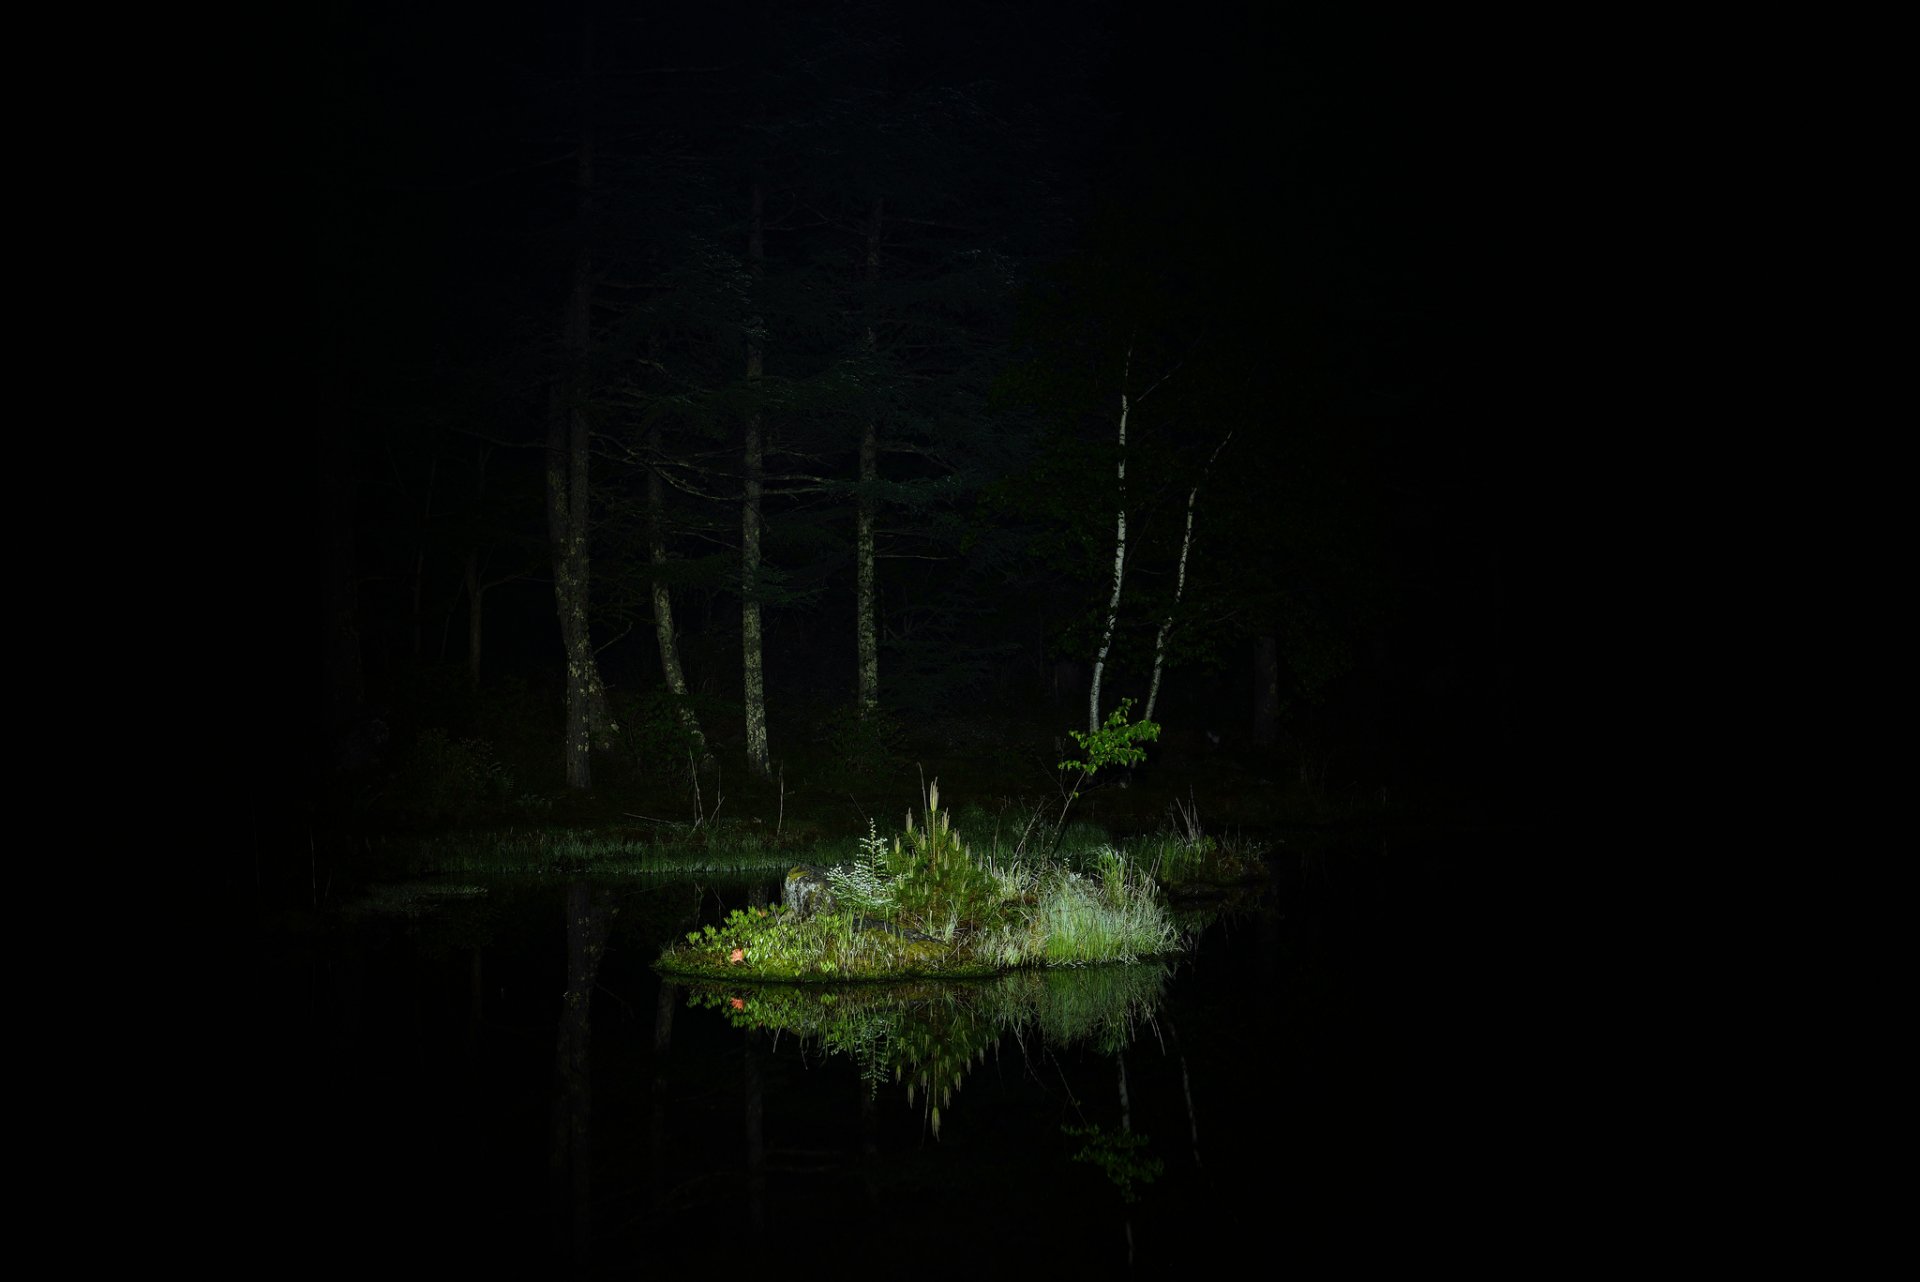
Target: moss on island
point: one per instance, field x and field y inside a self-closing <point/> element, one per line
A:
<point x="921" y="906"/>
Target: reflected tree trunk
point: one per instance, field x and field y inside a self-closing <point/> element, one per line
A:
<point x="1186" y="1088"/>
<point x="657" y="1115"/>
<point x="755" y="1053"/>
<point x="869" y="1144"/>
<point x="570" y="1157"/>
<point x="1126" y="1127"/>
<point x="476" y="1004"/>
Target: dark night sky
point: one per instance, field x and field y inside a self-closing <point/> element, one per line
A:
<point x="1379" y="170"/>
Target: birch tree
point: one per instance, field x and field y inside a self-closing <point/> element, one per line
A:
<point x="1119" y="557"/>
<point x="1119" y="541"/>
<point x="1179" y="583"/>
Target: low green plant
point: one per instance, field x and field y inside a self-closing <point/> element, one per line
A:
<point x="744" y="930"/>
<point x="1112" y="916"/>
<point x="1183" y="853"/>
<point x="864" y="887"/>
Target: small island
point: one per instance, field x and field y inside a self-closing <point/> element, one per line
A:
<point x="922" y="906"/>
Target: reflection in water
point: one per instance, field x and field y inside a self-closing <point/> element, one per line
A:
<point x="663" y="1010"/>
<point x="570" y="1156"/>
<point x="927" y="1034"/>
<point x="1328" y="1042"/>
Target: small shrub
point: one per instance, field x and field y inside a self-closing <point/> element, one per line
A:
<point x="865" y="886"/>
<point x="934" y="876"/>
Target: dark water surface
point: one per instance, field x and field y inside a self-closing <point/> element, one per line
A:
<point x="1329" y="1071"/>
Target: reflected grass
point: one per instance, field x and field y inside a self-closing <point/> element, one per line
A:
<point x="927" y="1034"/>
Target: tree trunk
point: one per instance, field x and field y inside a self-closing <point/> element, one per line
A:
<point x="588" y="717"/>
<point x="344" y="698"/>
<point x="475" y="594"/>
<point x="867" y="642"/>
<point x="754" y="467"/>
<point x="420" y="562"/>
<point x="663" y="603"/>
<point x="1119" y="560"/>
<point x="1266" y="691"/>
<point x="470" y="574"/>
<point x="1180" y="583"/>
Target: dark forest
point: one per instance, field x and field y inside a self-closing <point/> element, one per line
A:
<point x="744" y="389"/>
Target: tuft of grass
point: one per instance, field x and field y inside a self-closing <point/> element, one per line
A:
<point x="1115" y="916"/>
<point x="1183" y="855"/>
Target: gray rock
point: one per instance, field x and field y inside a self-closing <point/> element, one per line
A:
<point x="806" y="891"/>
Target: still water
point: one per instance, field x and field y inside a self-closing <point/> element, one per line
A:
<point x="498" y="1082"/>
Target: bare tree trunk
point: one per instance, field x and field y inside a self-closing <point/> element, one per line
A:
<point x="1119" y="560"/>
<point x="1266" y="691"/>
<point x="867" y="643"/>
<point x="663" y="603"/>
<point x="344" y="698"/>
<point x="1180" y="583"/>
<point x="588" y="717"/>
<point x="474" y="596"/>
<point x="754" y="467"/>
<point x="420" y="560"/>
<point x="470" y="575"/>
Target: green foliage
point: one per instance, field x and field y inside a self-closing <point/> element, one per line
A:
<point x="1114" y="915"/>
<point x="1183" y="853"/>
<point x="923" y="905"/>
<point x="937" y="886"/>
<point x="1116" y="743"/>
<point x="865" y="887"/>
<point x="745" y="932"/>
